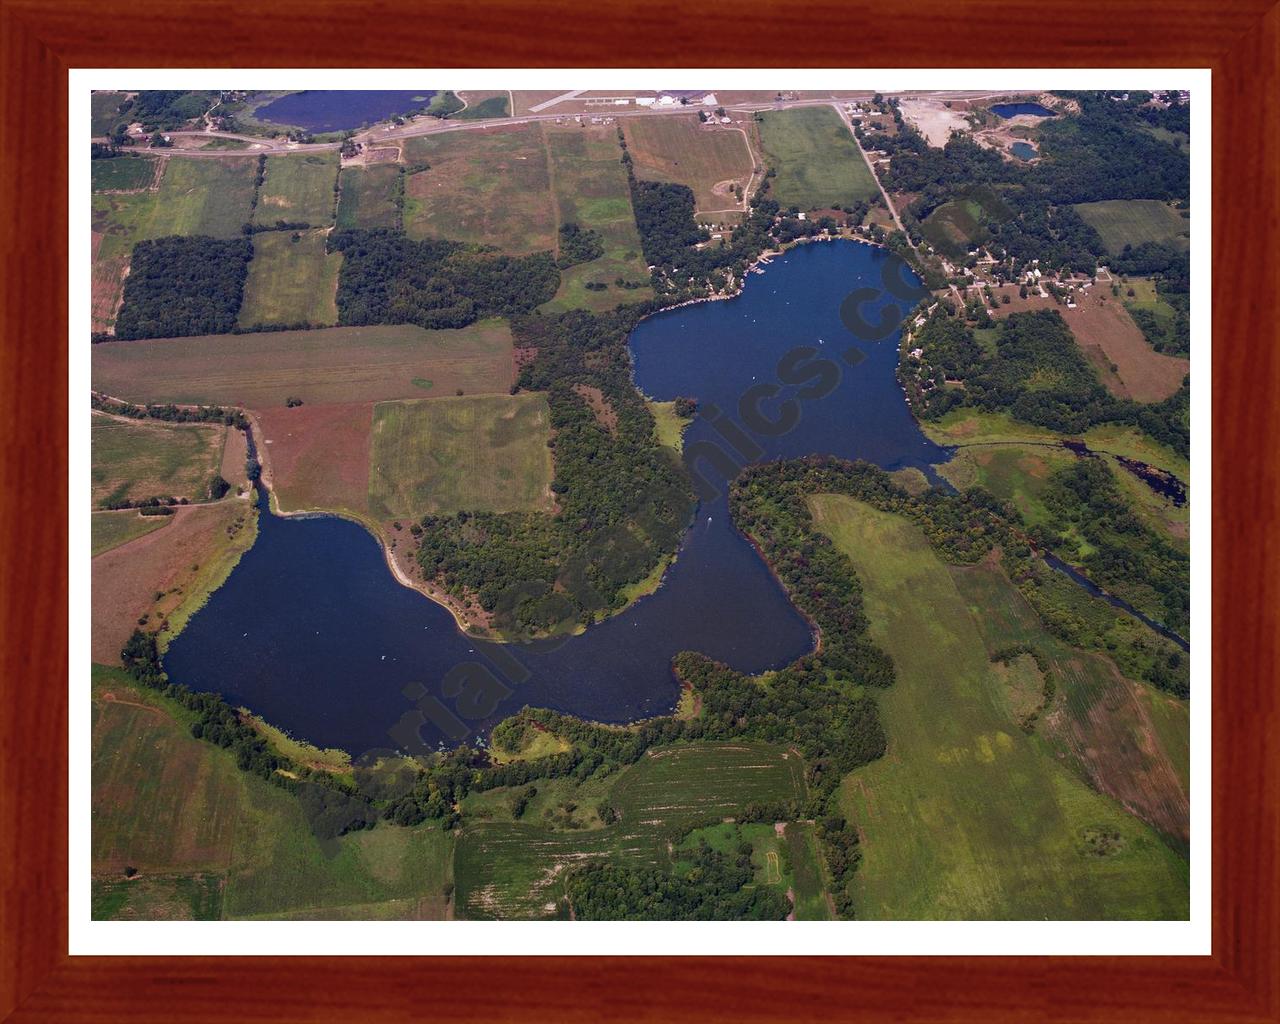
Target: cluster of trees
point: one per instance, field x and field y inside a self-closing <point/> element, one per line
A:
<point x="624" y="499"/>
<point x="183" y="285"/>
<point x="387" y="278"/>
<point x="578" y="245"/>
<point x="1171" y="268"/>
<point x="1037" y="374"/>
<point x="171" y="413"/>
<point x="1127" y="557"/>
<point x="714" y="886"/>
<point x="165" y="109"/>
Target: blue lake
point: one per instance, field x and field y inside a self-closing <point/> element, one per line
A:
<point x="1024" y="151"/>
<point x="312" y="631"/>
<point x="336" y="110"/>
<point x="1014" y="109"/>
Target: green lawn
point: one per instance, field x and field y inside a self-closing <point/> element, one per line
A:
<point x="298" y="187"/>
<point x="474" y="453"/>
<point x="669" y="427"/>
<point x="816" y="159"/>
<point x="591" y="190"/>
<point x="111" y="529"/>
<point x="290" y="282"/>
<point x="139" y="460"/>
<point x="180" y="811"/>
<point x="122" y="173"/>
<point x="966" y="817"/>
<point x="1123" y="222"/>
<point x="369" y="196"/>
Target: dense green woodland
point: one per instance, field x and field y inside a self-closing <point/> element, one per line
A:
<point x="1037" y="374"/>
<point x="184" y="285"/>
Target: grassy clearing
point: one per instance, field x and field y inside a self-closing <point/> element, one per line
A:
<point x="679" y="149"/>
<point x="194" y="897"/>
<point x="132" y="461"/>
<point x="204" y="197"/>
<point x="966" y="817"/>
<point x="590" y="189"/>
<point x="111" y="529"/>
<point x="484" y="104"/>
<point x="103" y="111"/>
<point x="176" y="807"/>
<point x="165" y="576"/>
<point x="486" y="187"/>
<point x="368" y="198"/>
<point x="484" y="453"/>
<point x="669" y="427"/>
<point x="953" y="227"/>
<point x="290" y="282"/>
<point x="339" y="364"/>
<point x="298" y="187"/>
<point x="817" y="161"/>
<point x="516" y="870"/>
<point x="123" y="173"/>
<point x="1123" y="222"/>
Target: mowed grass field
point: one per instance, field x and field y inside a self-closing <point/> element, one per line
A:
<point x="816" y="159"/>
<point x="591" y="190"/>
<point x="111" y="529"/>
<point x="134" y="460"/>
<point x="332" y="365"/>
<point x="209" y="840"/>
<point x="967" y="817"/>
<point x="290" y="282"/>
<point x="485" y="187"/>
<point x="1123" y="222"/>
<point x="194" y="197"/>
<point x="123" y="173"/>
<point x="298" y="187"/>
<point x="517" y="870"/>
<point x="368" y="197"/>
<point x="473" y="453"/>
<point x="680" y="149"/>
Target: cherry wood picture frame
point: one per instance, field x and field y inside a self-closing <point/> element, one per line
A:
<point x="41" y="39"/>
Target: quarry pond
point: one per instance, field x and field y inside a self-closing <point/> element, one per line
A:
<point x="312" y="632"/>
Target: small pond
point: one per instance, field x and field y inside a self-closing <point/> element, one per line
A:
<point x="1014" y="109"/>
<point x="336" y="110"/>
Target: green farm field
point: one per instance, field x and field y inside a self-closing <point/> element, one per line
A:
<point x="473" y="453"/>
<point x="518" y="870"/>
<point x="484" y="104"/>
<point x="368" y="198"/>
<point x="290" y="282"/>
<point x="1123" y="222"/>
<point x="816" y="159"/>
<point x="132" y="461"/>
<point x="681" y="150"/>
<point x="966" y="816"/>
<point x="179" y="811"/>
<point x="103" y="107"/>
<point x="484" y="187"/>
<point x="112" y="529"/>
<point x="591" y="190"/>
<point x="123" y="173"/>
<point x="332" y="365"/>
<point x="298" y="187"/>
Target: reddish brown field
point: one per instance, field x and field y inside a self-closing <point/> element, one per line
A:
<point x="126" y="579"/>
<point x="108" y="286"/>
<point x="1107" y="335"/>
<point x="317" y="456"/>
<point x="234" y="454"/>
<point x="604" y="413"/>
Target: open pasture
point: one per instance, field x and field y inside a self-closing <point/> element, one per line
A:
<point x="966" y="816"/>
<point x="104" y="107"/>
<point x="816" y="159"/>
<point x="368" y="196"/>
<point x="298" y="187"/>
<point x="679" y="149"/>
<point x="111" y="529"/>
<point x="1123" y="222"/>
<point x="591" y="190"/>
<point x="203" y="197"/>
<point x="317" y="456"/>
<point x="290" y="282"/>
<point x="489" y="187"/>
<point x="336" y="364"/>
<point x="123" y="173"/>
<point x="474" y="453"/>
<point x="482" y="104"/>
<point x="132" y="460"/>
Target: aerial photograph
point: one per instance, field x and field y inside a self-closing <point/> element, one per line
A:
<point x="675" y="505"/>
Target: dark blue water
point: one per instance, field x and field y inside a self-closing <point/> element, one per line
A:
<point x="1024" y="151"/>
<point x="336" y="110"/>
<point x="1014" y="109"/>
<point x="312" y="631"/>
